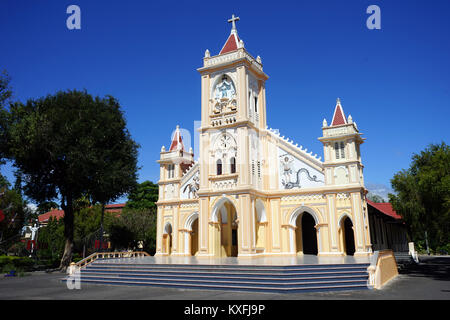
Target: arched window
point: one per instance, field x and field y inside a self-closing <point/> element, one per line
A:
<point x="342" y="150"/>
<point x="219" y="167"/>
<point x="233" y="165"/>
<point x="339" y="148"/>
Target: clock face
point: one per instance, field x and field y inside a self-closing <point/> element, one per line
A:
<point x="225" y="142"/>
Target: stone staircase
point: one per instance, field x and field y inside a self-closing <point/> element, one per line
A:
<point x="256" y="278"/>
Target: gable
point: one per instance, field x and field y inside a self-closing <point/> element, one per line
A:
<point x="295" y="173"/>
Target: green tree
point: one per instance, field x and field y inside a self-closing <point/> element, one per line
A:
<point x="51" y="241"/>
<point x="423" y="195"/>
<point x="143" y="196"/>
<point x="69" y="145"/>
<point x="134" y="228"/>
<point x="14" y="212"/>
<point x="5" y="98"/>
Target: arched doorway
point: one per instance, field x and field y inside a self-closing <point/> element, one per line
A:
<point x="260" y="226"/>
<point x="167" y="239"/>
<point x="225" y="229"/>
<point x="348" y="236"/>
<point x="194" y="237"/>
<point x="306" y="234"/>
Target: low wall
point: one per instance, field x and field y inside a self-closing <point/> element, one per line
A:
<point x="382" y="269"/>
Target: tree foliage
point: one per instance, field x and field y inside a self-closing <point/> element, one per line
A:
<point x="134" y="228"/>
<point x="143" y="196"/>
<point x="5" y="97"/>
<point x="14" y="212"/>
<point x="423" y="195"/>
<point x="69" y="145"/>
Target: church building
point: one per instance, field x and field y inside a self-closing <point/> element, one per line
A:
<point x="253" y="192"/>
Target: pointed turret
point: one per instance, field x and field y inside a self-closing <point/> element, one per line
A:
<point x="177" y="142"/>
<point x="233" y="41"/>
<point x="338" y="116"/>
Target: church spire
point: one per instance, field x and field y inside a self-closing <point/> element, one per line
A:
<point x="233" y="42"/>
<point x="338" y="116"/>
<point x="177" y="142"/>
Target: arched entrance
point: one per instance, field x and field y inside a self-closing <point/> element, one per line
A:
<point x="194" y="237"/>
<point x="191" y="235"/>
<point x="348" y="236"/>
<point x="167" y="239"/>
<point x="225" y="229"/>
<point x="260" y="226"/>
<point x="306" y="234"/>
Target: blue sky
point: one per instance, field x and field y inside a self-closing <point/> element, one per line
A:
<point x="395" y="82"/>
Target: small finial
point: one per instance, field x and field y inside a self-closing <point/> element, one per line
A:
<point x="241" y="43"/>
<point x="163" y="149"/>
<point x="258" y="59"/>
<point x="324" y="123"/>
<point x="207" y="54"/>
<point x="338" y="101"/>
<point x="178" y="127"/>
<point x="350" y="119"/>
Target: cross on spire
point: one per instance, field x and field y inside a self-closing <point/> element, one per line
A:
<point x="233" y="21"/>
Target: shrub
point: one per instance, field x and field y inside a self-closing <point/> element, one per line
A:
<point x="8" y="263"/>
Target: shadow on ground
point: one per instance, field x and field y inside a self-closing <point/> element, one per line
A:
<point x="437" y="268"/>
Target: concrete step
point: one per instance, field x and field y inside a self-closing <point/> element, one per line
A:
<point x="266" y="278"/>
<point x="232" y="287"/>
<point x="258" y="278"/>
<point x="285" y="275"/>
<point x="223" y="282"/>
<point x="246" y="269"/>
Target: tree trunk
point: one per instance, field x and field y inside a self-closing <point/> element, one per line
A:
<point x="68" y="233"/>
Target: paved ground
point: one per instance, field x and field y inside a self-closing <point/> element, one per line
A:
<point x="428" y="280"/>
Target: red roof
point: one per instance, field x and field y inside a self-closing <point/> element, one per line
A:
<point x="231" y="44"/>
<point x="338" y="117"/>
<point x="177" y="142"/>
<point x="58" y="214"/>
<point x="115" y="206"/>
<point x="386" y="208"/>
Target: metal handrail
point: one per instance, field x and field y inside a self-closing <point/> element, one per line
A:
<point x="103" y="255"/>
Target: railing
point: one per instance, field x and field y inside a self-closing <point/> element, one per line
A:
<point x="383" y="267"/>
<point x="110" y="255"/>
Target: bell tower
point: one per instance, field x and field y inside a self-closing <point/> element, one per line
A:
<point x="341" y="142"/>
<point x="233" y="104"/>
<point x="233" y="119"/>
<point x="343" y="171"/>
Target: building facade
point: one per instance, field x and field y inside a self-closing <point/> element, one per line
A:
<point x="253" y="192"/>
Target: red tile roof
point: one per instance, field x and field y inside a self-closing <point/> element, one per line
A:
<point x="385" y="208"/>
<point x="58" y="214"/>
<point x="338" y="117"/>
<point x="231" y="44"/>
<point x="176" y="140"/>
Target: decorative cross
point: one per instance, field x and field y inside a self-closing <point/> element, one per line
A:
<point x="233" y="23"/>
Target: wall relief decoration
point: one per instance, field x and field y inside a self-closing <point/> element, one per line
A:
<point x="224" y="96"/>
<point x="291" y="173"/>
